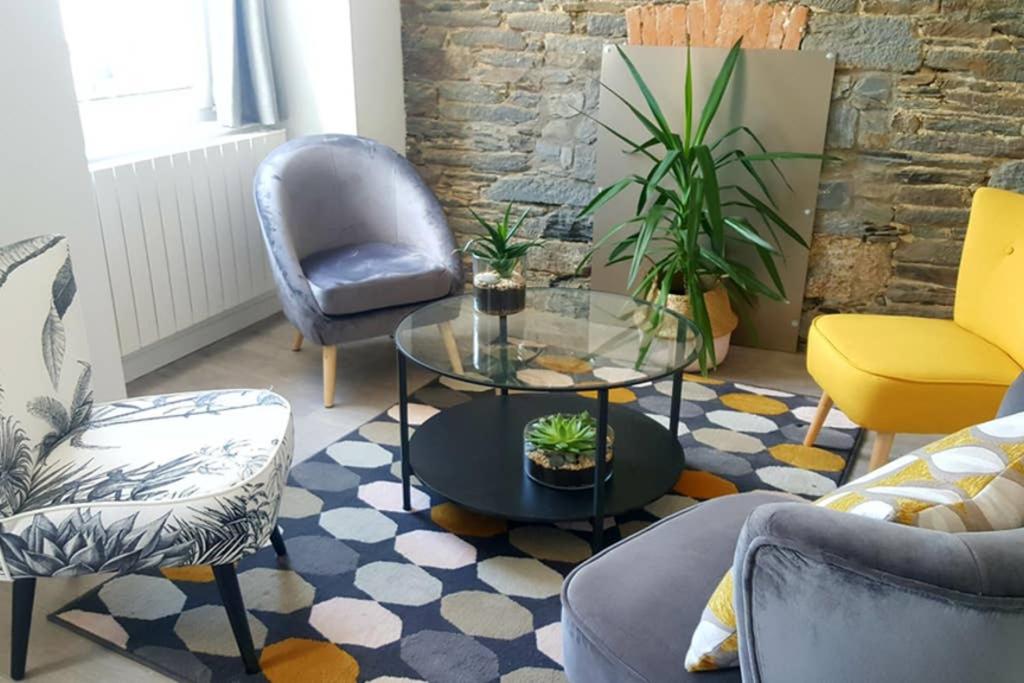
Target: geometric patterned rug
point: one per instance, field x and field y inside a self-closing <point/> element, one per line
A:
<point x="373" y="593"/>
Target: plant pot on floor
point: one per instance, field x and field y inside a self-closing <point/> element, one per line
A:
<point x="498" y="291"/>
<point x="564" y="463"/>
<point x="723" y="320"/>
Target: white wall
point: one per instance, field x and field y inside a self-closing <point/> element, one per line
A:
<point x="312" y="50"/>
<point x="339" y="67"/>
<point x="377" y="64"/>
<point x="43" y="172"/>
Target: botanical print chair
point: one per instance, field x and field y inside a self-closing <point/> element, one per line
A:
<point x="127" y="486"/>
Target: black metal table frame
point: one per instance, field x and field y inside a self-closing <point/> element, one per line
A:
<point x="597" y="540"/>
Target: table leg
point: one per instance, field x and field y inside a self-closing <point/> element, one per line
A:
<point x="503" y="341"/>
<point x="677" y="397"/>
<point x="597" y="541"/>
<point x="403" y="428"/>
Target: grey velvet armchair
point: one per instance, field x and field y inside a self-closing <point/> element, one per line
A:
<point x="820" y="596"/>
<point x="356" y="240"/>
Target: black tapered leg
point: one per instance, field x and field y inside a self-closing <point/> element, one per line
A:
<point x="506" y="368"/>
<point x="231" y="596"/>
<point x="677" y="397"/>
<point x="24" y="593"/>
<point x="403" y="428"/>
<point x="277" y="540"/>
<point x="599" y="469"/>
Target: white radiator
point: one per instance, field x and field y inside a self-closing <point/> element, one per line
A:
<point x="184" y="252"/>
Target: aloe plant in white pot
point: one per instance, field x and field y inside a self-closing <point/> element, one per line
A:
<point x="676" y="242"/>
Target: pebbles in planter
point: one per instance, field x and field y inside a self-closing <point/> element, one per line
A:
<point x="497" y="295"/>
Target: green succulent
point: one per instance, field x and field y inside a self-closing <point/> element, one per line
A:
<point x="571" y="435"/>
<point x="496" y="247"/>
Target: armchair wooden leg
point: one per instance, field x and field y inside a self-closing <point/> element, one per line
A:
<point x="23" y="595"/>
<point x="451" y="347"/>
<point x="330" y="372"/>
<point x="824" y="405"/>
<point x="880" y="453"/>
<point x="297" y="341"/>
<point x="231" y="596"/>
<point x="277" y="540"/>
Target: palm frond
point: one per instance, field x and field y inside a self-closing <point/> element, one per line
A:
<point x="685" y="217"/>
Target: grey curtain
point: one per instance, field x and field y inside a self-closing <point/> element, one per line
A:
<point x="236" y="85"/>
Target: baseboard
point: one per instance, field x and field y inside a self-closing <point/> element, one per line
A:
<point x="180" y="344"/>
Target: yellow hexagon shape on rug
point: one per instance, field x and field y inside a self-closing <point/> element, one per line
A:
<point x="808" y="457"/>
<point x="569" y="364"/>
<point x="754" y="403"/>
<point x="617" y="395"/>
<point x="703" y="485"/>
<point x="463" y="522"/>
<point x="701" y="379"/>
<point x="199" y="573"/>
<point x="299" y="660"/>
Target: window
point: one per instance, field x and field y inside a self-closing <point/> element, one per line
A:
<point x="136" y="66"/>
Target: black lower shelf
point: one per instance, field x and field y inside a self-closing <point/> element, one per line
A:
<point x="472" y="454"/>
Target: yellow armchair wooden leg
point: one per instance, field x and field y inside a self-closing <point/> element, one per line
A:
<point x="880" y="453"/>
<point x="297" y="341"/>
<point x="824" y="405"/>
<point x="330" y="372"/>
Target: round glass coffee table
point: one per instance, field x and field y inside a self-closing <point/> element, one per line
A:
<point x="566" y="352"/>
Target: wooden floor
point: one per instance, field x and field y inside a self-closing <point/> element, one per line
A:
<point x="261" y="357"/>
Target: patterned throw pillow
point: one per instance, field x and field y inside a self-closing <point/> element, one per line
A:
<point x="972" y="480"/>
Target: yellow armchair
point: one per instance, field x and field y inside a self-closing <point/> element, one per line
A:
<point x="896" y="374"/>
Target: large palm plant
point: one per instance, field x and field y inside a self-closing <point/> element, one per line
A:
<point x="685" y="218"/>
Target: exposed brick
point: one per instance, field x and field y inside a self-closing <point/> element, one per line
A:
<point x="649" y="25"/>
<point x="795" y="27"/>
<point x="634" y="25"/>
<point x="695" y="24"/>
<point x="777" y="27"/>
<point x="712" y="20"/>
<point x="758" y="36"/>
<point x="677" y="28"/>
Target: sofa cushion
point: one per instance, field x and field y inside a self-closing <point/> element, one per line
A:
<point x="903" y="374"/>
<point x="972" y="480"/>
<point x="626" y="611"/>
<point x="371" y="276"/>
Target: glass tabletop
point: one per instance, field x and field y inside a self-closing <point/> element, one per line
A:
<point x="564" y="340"/>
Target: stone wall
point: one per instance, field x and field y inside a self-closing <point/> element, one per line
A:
<point x="927" y="106"/>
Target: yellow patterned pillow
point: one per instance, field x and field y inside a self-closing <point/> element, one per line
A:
<point x="972" y="480"/>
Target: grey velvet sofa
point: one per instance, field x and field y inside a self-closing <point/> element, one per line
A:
<point x="356" y="240"/>
<point x="820" y="596"/>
